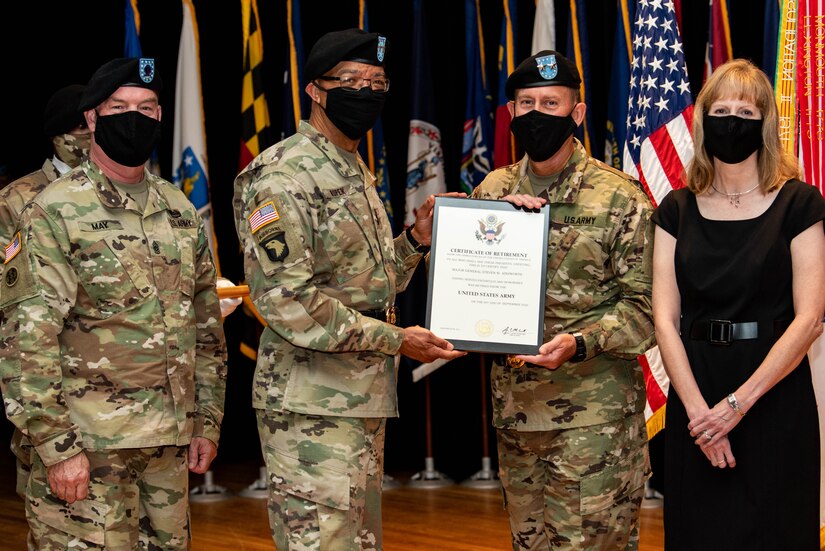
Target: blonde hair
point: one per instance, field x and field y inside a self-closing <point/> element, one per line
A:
<point x="741" y="79"/>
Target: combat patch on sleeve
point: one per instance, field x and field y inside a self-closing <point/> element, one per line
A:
<point x="275" y="246"/>
<point x="262" y="216"/>
<point x="280" y="243"/>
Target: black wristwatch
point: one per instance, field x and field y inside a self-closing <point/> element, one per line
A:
<point x="581" y="348"/>
<point x="419" y="248"/>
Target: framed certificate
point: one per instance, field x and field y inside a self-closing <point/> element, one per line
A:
<point x="488" y="266"/>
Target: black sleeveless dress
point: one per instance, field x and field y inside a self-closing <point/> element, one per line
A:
<point x="741" y="271"/>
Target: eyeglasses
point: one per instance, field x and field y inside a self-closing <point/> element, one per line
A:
<point x="380" y="84"/>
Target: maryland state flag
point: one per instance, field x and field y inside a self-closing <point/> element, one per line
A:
<point x="255" y="137"/>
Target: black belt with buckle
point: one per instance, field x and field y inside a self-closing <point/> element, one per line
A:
<point x="724" y="332"/>
<point x="389" y="315"/>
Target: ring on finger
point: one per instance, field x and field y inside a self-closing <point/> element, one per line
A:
<point x="707" y="435"/>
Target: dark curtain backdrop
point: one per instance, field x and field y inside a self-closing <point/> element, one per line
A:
<point x="77" y="37"/>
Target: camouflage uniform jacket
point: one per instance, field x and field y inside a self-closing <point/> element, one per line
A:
<point x="14" y="197"/>
<point x="115" y="317"/>
<point x="322" y="252"/>
<point x="599" y="273"/>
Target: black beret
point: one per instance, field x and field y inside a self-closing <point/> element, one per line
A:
<point x="124" y="71"/>
<point x="61" y="114"/>
<point x="346" y="45"/>
<point x="546" y="68"/>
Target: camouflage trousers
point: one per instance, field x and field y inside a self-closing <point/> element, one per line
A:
<point x="325" y="476"/>
<point x="138" y="499"/>
<point x="575" y="489"/>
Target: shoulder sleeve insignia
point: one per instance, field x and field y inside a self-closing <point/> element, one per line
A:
<point x="263" y="215"/>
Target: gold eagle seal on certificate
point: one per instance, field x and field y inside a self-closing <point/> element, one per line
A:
<point x="484" y="328"/>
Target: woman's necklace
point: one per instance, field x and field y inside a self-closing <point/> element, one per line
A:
<point x="734" y="197"/>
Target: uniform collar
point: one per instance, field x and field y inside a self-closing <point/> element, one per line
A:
<point x="51" y="171"/>
<point x="343" y="165"/>
<point x="567" y="185"/>
<point x="109" y="195"/>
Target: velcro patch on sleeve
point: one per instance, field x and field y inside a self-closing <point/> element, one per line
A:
<point x="262" y="216"/>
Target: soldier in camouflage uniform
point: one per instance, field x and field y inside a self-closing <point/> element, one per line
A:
<point x="572" y="443"/>
<point x="65" y="125"/>
<point x="323" y="270"/>
<point x="110" y="309"/>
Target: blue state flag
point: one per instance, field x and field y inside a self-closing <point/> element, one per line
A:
<point x="132" y="48"/>
<point x="504" y="145"/>
<point x="476" y="154"/>
<point x="578" y="51"/>
<point x="372" y="147"/>
<point x="619" y="85"/>
<point x="294" y="107"/>
<point x="425" y="158"/>
<point x="770" y="38"/>
<point x="189" y="140"/>
<point x="131" y="42"/>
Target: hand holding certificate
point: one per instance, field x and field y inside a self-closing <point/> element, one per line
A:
<point x="487" y="275"/>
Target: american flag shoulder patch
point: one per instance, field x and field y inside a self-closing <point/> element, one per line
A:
<point x="12" y="248"/>
<point x="263" y="215"/>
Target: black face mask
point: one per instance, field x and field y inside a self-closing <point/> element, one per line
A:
<point x="354" y="112"/>
<point x="732" y="139"/>
<point x="127" y="138"/>
<point x="542" y="135"/>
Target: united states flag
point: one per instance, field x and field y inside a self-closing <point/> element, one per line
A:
<point x="13" y="248"/>
<point x="659" y="145"/>
<point x="263" y="216"/>
<point x="660" y="106"/>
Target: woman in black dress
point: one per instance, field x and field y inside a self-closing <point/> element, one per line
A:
<point x="738" y="298"/>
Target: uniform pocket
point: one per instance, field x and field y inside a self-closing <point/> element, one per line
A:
<point x="604" y="489"/>
<point x="575" y="270"/>
<point x="113" y="281"/>
<point x="309" y="481"/>
<point x="84" y="519"/>
<point x="345" y="239"/>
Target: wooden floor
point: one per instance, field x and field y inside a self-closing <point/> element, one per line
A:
<point x="453" y="518"/>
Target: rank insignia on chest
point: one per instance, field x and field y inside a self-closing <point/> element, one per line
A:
<point x="13" y="248"/>
<point x="11" y="276"/>
<point x="263" y="215"/>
